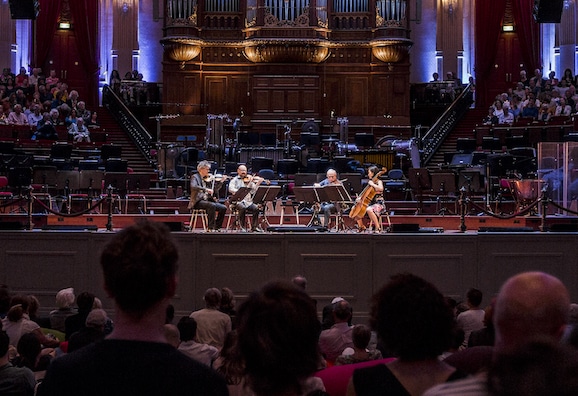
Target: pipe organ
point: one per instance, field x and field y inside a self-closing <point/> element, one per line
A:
<point x="286" y="10"/>
<point x="340" y="6"/>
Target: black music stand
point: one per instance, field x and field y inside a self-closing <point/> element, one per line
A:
<point x="338" y="194"/>
<point x="234" y="199"/>
<point x="308" y="195"/>
<point x="420" y="182"/>
<point x="263" y="195"/>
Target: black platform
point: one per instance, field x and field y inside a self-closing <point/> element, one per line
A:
<point x="296" y="228"/>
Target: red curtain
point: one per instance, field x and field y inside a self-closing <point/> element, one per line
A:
<point x="489" y="16"/>
<point x="46" y="25"/>
<point x="528" y="34"/>
<point x="85" y="18"/>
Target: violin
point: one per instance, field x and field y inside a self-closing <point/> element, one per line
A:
<point x="214" y="178"/>
<point x="256" y="179"/>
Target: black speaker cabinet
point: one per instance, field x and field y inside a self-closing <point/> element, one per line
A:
<point x="548" y="11"/>
<point x="24" y="9"/>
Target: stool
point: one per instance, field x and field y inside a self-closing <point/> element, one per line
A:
<point x="198" y="213"/>
<point x="234" y="213"/>
<point x="78" y="198"/>
<point x="140" y="198"/>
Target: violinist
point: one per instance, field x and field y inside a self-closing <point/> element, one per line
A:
<point x="204" y="191"/>
<point x="376" y="205"/>
<point x="246" y="205"/>
<point x="327" y="207"/>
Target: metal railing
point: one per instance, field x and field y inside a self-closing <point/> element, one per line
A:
<point x="128" y="122"/>
<point x="439" y="131"/>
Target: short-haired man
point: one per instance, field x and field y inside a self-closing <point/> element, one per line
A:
<point x="212" y="324"/>
<point x="333" y="341"/>
<point x="529" y="305"/>
<point x="328" y="207"/>
<point x="204" y="189"/>
<point x="203" y="353"/>
<point x="246" y="204"/>
<point x="139" y="266"/>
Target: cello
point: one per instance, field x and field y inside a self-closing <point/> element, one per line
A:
<point x="364" y="199"/>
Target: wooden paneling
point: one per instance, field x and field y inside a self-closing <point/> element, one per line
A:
<point x="350" y="265"/>
<point x="356" y="91"/>
<point x="216" y="94"/>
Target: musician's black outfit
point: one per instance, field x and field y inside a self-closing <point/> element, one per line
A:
<point x="201" y="200"/>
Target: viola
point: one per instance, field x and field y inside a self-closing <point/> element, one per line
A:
<point x="365" y="197"/>
<point x="214" y="178"/>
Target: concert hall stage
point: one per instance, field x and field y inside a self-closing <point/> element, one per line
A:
<point x="63" y="252"/>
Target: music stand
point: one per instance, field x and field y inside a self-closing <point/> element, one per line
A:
<point x="337" y="193"/>
<point x="234" y="199"/>
<point x="263" y="195"/>
<point x="419" y="182"/>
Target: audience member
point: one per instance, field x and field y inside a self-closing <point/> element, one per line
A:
<point x="17" y="117"/>
<point x="300" y="281"/>
<point x="45" y="130"/>
<point x="486" y="335"/>
<point x="17" y="322"/>
<point x="212" y="324"/>
<point x="32" y="355"/>
<point x="529" y="305"/>
<point x="139" y="266"/>
<point x="415" y="323"/>
<point x="227" y="304"/>
<point x="230" y="366"/>
<point x="35" y="116"/>
<point x="92" y="331"/>
<point x="278" y="331"/>
<point x="79" y="131"/>
<point x="542" y="367"/>
<point x="75" y="322"/>
<point x="64" y="301"/>
<point x="203" y="353"/>
<point x="13" y="380"/>
<point x="361" y="335"/>
<point x="172" y="334"/>
<point x="473" y="318"/>
<point x="333" y="341"/>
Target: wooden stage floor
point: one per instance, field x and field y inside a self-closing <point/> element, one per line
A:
<point x="397" y="223"/>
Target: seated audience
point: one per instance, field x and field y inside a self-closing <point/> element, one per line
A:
<point x="227" y="305"/>
<point x="17" y="323"/>
<point x="35" y="116"/>
<point x="473" y="318"/>
<point x="46" y="129"/>
<point x="415" y="323"/>
<point x="79" y="131"/>
<point x="529" y="305"/>
<point x="139" y="271"/>
<point x="32" y="355"/>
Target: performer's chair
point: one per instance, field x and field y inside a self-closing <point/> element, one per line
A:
<point x="198" y="214"/>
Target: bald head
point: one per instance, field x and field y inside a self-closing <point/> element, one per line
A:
<point x="530" y="304"/>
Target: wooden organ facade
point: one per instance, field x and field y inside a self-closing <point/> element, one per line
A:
<point x="269" y="61"/>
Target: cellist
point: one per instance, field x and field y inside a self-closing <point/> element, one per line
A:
<point x="376" y="206"/>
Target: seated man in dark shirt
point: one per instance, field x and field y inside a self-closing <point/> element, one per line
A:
<point x="139" y="267"/>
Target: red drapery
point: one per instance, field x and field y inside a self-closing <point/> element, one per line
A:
<point x="528" y="34"/>
<point x="85" y="21"/>
<point x="85" y="17"/>
<point x="489" y="16"/>
<point x="46" y="25"/>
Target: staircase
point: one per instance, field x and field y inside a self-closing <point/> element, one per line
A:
<point x="464" y="129"/>
<point x="117" y="136"/>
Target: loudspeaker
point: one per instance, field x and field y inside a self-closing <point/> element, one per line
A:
<point x="24" y="9"/>
<point x="548" y="11"/>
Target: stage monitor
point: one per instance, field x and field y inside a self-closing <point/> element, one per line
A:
<point x="462" y="159"/>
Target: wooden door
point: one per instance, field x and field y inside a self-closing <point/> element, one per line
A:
<point x="507" y="65"/>
<point x="64" y="58"/>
